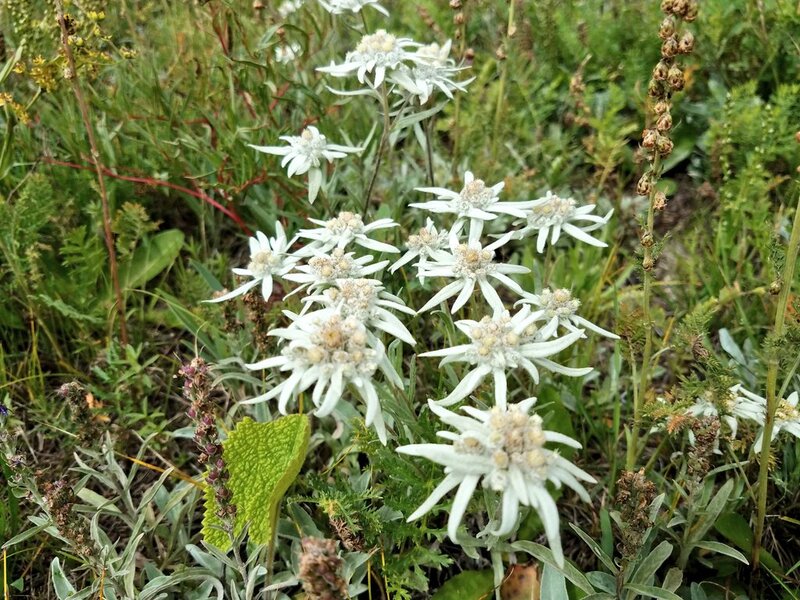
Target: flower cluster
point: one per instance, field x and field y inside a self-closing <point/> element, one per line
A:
<point x="410" y="69"/>
<point x="334" y="344"/>
<point x="741" y="404"/>
<point x="504" y="446"/>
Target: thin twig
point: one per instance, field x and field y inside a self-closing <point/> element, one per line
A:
<point x="72" y="75"/>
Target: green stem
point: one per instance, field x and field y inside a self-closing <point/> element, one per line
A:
<point x="381" y="145"/>
<point x="773" y="399"/>
<point x="429" y="149"/>
<point x="647" y="292"/>
<point x="501" y="91"/>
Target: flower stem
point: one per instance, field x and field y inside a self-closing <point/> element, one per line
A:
<point x="381" y="145"/>
<point x="647" y="292"/>
<point x="429" y="149"/>
<point x="773" y="399"/>
<point x="98" y="168"/>
<point x="501" y="91"/>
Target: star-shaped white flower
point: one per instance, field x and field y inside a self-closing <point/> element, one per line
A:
<point x="433" y="70"/>
<point x="343" y="229"/>
<point x="504" y="447"/>
<point x="323" y="269"/>
<point x="550" y="215"/>
<point x="470" y="264"/>
<point x="787" y="417"/>
<point x="269" y="257"/>
<point x="377" y="53"/>
<point x="500" y="344"/>
<point x="729" y="409"/>
<point x="427" y="242"/>
<point x="338" y="7"/>
<point x="367" y="301"/>
<point x="286" y="53"/>
<point x="330" y="352"/>
<point x="559" y="307"/>
<point x="304" y="154"/>
<point x="476" y="203"/>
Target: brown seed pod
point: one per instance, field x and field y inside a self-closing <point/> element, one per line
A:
<point x="686" y="43"/>
<point x="667" y="28"/>
<point x="649" y="137"/>
<point x="675" y="78"/>
<point x="664" y="122"/>
<point x="660" y="71"/>
<point x="664" y="145"/>
<point x="661" y="107"/>
<point x="670" y="47"/>
<point x="644" y="185"/>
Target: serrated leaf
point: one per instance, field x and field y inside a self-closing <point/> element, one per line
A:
<point x="151" y="258"/>
<point x="467" y="585"/>
<point x="263" y="460"/>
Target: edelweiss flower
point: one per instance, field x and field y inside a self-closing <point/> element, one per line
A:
<point x="329" y="351"/>
<point x="367" y="301"/>
<point x="787" y="417"/>
<point x="427" y="242"/>
<point x="338" y="7"/>
<point x="728" y="409"/>
<point x="434" y="70"/>
<point x="304" y="154"/>
<point x="325" y="269"/>
<point x="287" y="53"/>
<point x="341" y="230"/>
<point x="470" y="264"/>
<point x="499" y="344"/>
<point x="475" y="202"/>
<point x="559" y="308"/>
<point x="504" y="447"/>
<point x="287" y="7"/>
<point x="552" y="214"/>
<point x="377" y="52"/>
<point x="268" y="257"/>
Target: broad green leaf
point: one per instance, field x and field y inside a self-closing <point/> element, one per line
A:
<point x="61" y="585"/>
<point x="151" y="258"/>
<point x="713" y="510"/>
<point x="673" y="579"/>
<point x="721" y="548"/>
<point x="646" y="570"/>
<point x="545" y="555"/>
<point x="735" y="529"/>
<point x="553" y="583"/>
<point x="467" y="585"/>
<point x="649" y="591"/>
<point x="263" y="460"/>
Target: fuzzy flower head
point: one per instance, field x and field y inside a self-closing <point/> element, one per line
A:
<point x="432" y="70"/>
<point x="552" y="214"/>
<point x="269" y="258"/>
<point x="787" y="415"/>
<point x="376" y="54"/>
<point x="475" y="203"/>
<point x="367" y="301"/>
<point x="286" y="53"/>
<point x="499" y="344"/>
<point x="329" y="351"/>
<point x="504" y="449"/>
<point x="427" y="242"/>
<point x="559" y="307"/>
<point x="288" y="7"/>
<point x="338" y="7"/>
<point x="324" y="269"/>
<point x="471" y="264"/>
<point x="304" y="154"/>
<point x="343" y="229"/>
<point x="731" y="407"/>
